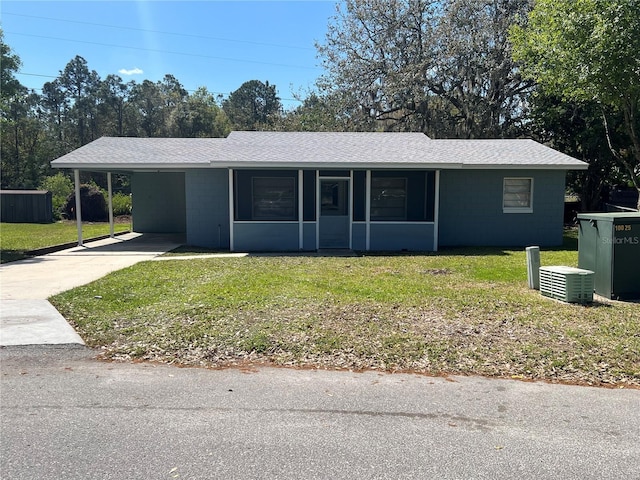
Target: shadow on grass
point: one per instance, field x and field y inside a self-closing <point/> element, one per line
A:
<point x="449" y="251"/>
<point x="7" y="256"/>
<point x="596" y="304"/>
<point x="569" y="243"/>
<point x="189" y="250"/>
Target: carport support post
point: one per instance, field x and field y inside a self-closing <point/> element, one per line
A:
<point x="110" y="192"/>
<point x="76" y="178"/>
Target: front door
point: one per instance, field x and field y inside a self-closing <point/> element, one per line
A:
<point x="334" y="213"/>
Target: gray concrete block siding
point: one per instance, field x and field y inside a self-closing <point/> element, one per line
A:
<point x="416" y="237"/>
<point x="402" y="236"/>
<point x="158" y="202"/>
<point x="471" y="214"/>
<point x="207" y="208"/>
<point x="266" y="237"/>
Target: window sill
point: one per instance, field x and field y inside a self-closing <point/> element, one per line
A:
<point x="517" y="210"/>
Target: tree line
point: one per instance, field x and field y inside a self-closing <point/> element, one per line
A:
<point x="562" y="72"/>
<point x="565" y="73"/>
<point x="78" y="107"/>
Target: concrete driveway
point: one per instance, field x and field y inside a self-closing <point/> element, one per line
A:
<point x="27" y="318"/>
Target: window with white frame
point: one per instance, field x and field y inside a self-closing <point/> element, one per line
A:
<point x="517" y="195"/>
<point x="388" y="198"/>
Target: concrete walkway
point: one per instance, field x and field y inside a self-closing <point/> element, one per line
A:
<point x="27" y="318"/>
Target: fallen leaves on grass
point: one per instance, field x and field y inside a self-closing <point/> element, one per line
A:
<point x="444" y="314"/>
<point x="379" y="337"/>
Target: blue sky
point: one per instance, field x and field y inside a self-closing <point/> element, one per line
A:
<point x="215" y="44"/>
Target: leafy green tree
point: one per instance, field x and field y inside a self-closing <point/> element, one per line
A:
<point x="174" y="97"/>
<point x="80" y="87"/>
<point x="54" y="106"/>
<point x="9" y="64"/>
<point x="442" y="67"/>
<point x="21" y="139"/>
<point x="60" y="186"/>
<point x="589" y="50"/>
<point x="21" y="143"/>
<point x="148" y="104"/>
<point x="114" y="96"/>
<point x="172" y="91"/>
<point x="203" y="117"/>
<point x="253" y="106"/>
<point x="159" y="107"/>
<point x="324" y="113"/>
<point x="576" y="129"/>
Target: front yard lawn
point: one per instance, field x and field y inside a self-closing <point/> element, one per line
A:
<point x="16" y="239"/>
<point x="456" y="312"/>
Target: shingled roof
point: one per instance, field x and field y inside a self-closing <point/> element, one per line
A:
<point x="312" y="150"/>
<point x="130" y="153"/>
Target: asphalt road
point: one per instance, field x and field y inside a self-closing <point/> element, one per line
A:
<point x="65" y="415"/>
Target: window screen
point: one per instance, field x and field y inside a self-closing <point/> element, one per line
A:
<point x="274" y="198"/>
<point x="388" y="198"/>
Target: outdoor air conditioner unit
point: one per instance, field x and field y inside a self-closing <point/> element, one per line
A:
<point x="568" y="284"/>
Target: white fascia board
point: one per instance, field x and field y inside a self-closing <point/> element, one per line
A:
<point x="142" y="167"/>
<point x="129" y="167"/>
<point x="537" y="166"/>
<point x="334" y="166"/>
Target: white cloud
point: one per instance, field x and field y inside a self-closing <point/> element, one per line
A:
<point x="133" y="71"/>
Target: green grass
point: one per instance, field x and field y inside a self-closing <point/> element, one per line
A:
<point x="461" y="311"/>
<point x="16" y="239"/>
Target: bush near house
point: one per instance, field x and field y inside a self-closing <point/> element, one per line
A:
<point x="92" y="203"/>
<point x="121" y="204"/>
<point x="60" y="187"/>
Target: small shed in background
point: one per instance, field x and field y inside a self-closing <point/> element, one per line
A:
<point x="26" y="206"/>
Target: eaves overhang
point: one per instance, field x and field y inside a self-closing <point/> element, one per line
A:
<point x="530" y="166"/>
<point x="128" y="167"/>
<point x="334" y="166"/>
<point x="173" y="167"/>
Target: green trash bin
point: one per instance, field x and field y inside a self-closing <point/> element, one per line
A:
<point x="609" y="245"/>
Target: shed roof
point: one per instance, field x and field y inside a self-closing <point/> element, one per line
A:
<point x="24" y="192"/>
<point x="312" y="150"/>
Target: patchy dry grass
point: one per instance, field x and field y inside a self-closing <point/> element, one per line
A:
<point x="458" y="312"/>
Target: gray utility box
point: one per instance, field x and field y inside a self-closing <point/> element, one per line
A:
<point x="567" y="284"/>
<point x="609" y="245"/>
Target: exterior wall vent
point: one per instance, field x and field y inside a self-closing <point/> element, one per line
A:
<point x="567" y="284"/>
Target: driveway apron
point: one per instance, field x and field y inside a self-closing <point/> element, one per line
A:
<point x="27" y="318"/>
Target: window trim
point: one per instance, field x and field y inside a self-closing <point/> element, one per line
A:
<point x="527" y="209"/>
